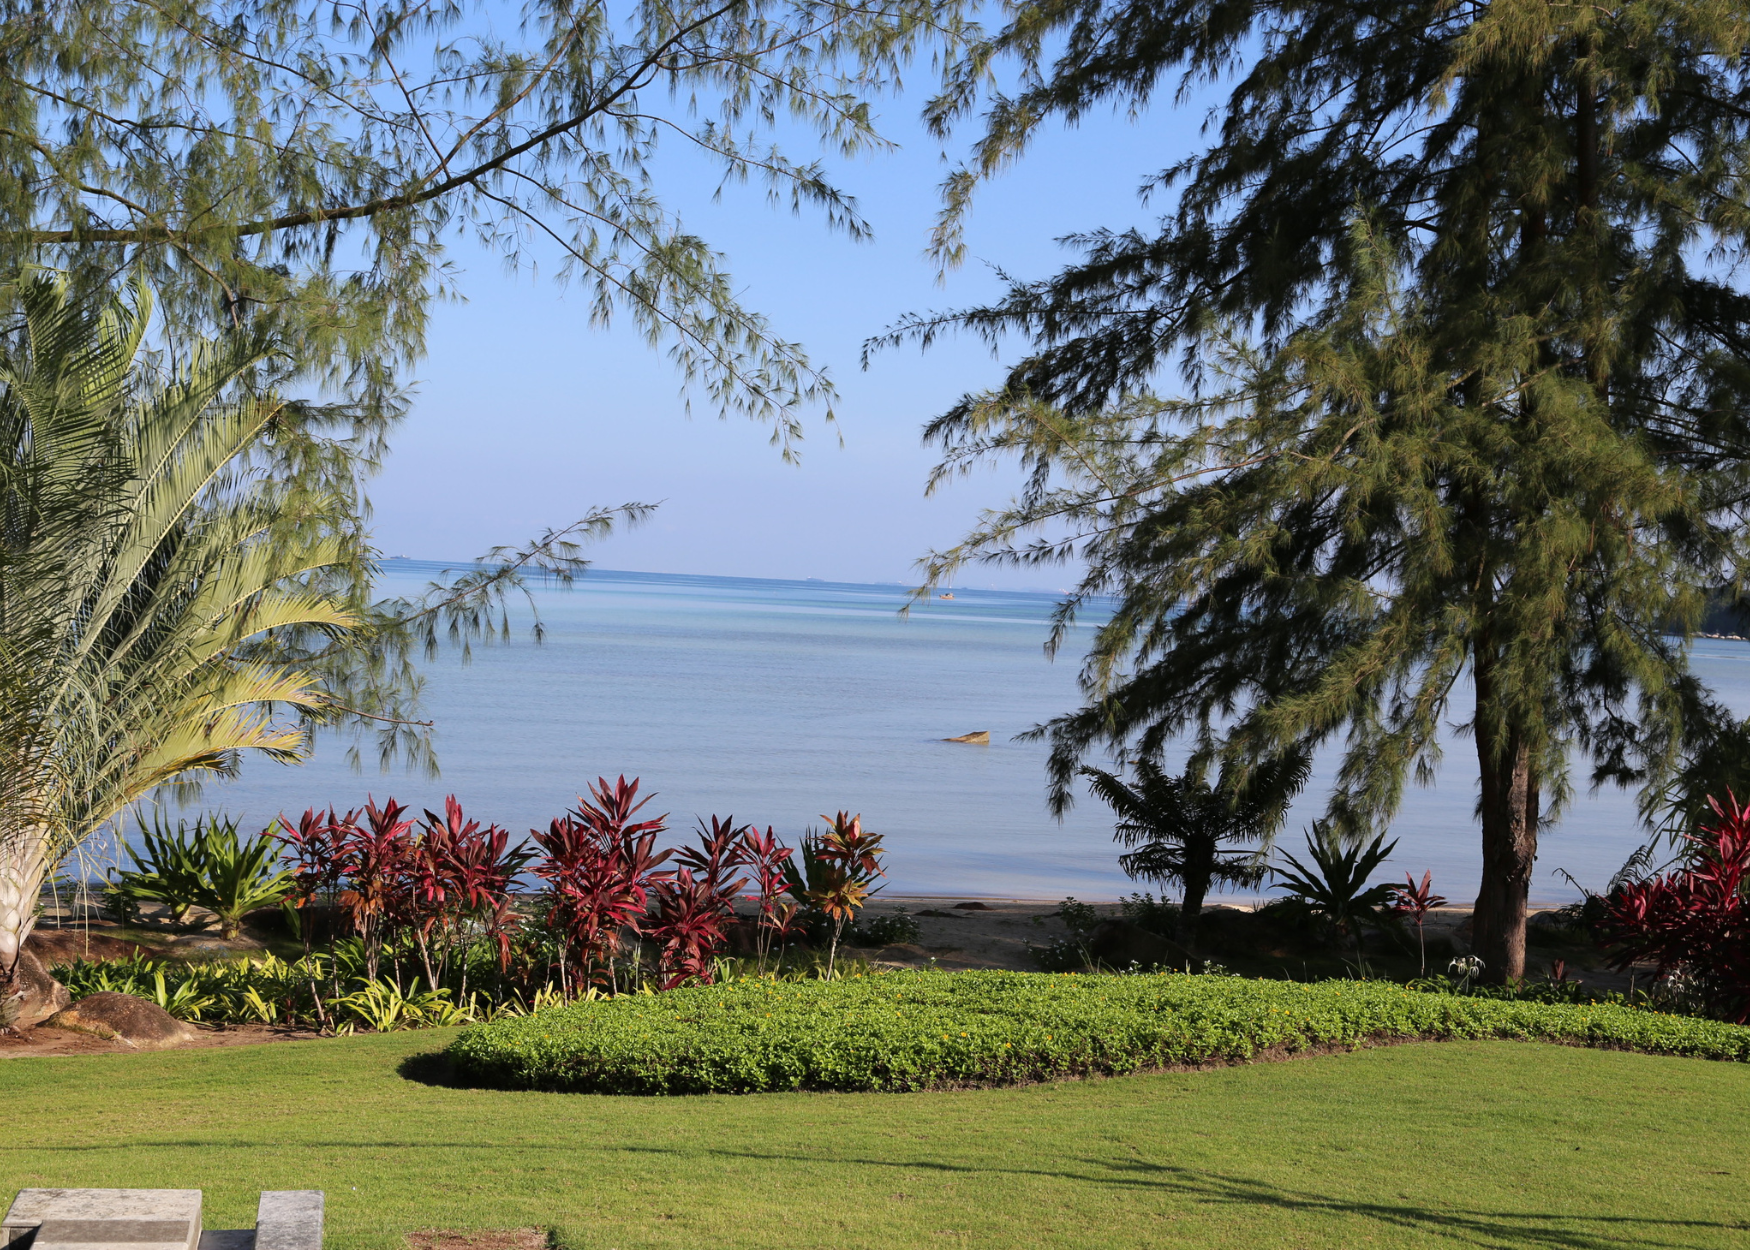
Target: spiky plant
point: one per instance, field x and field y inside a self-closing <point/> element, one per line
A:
<point x="135" y="581"/>
<point x="1183" y="830"/>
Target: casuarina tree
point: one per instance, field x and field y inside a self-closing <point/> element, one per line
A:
<point x="1452" y="293"/>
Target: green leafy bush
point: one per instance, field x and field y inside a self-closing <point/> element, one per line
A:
<point x="1146" y="912"/>
<point x="1064" y="954"/>
<point x="922" y="1030"/>
<point x="270" y="990"/>
<point x="897" y="928"/>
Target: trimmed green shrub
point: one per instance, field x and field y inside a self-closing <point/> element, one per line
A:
<point x="924" y="1030"/>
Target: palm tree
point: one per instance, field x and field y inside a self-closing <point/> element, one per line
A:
<point x="1184" y="830"/>
<point x="138" y="578"/>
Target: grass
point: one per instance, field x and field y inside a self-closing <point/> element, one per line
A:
<point x="1497" y="1144"/>
<point x="912" y="1031"/>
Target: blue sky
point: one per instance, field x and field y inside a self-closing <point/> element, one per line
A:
<point x="525" y="416"/>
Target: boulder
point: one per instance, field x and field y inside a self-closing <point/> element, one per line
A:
<point x="1118" y="944"/>
<point x="33" y="995"/>
<point x="977" y="738"/>
<point x="63" y="946"/>
<point x="123" y="1018"/>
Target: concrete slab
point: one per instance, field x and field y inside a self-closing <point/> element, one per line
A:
<point x="289" y="1219"/>
<point x="81" y="1218"/>
<point x="112" y="1235"/>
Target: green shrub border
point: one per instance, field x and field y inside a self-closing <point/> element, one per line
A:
<point x="904" y="1031"/>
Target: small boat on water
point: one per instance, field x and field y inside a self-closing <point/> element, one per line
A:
<point x="946" y="594"/>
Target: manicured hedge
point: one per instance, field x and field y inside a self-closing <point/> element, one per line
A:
<point x="923" y="1030"/>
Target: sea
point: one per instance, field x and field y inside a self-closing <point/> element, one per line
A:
<point x="782" y="702"/>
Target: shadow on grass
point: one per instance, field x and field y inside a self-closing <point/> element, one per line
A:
<point x="432" y="1068"/>
<point x="1530" y="1230"/>
<point x="1403" y="1223"/>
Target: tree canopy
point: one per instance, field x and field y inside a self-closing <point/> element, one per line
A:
<point x="299" y="168"/>
<point x="141" y="567"/>
<point x="1450" y="297"/>
<point x="304" y="162"/>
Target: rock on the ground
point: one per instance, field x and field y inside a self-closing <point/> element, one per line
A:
<point x="123" y="1018"/>
<point x="1118" y="944"/>
<point x="33" y="996"/>
<point x="63" y="946"/>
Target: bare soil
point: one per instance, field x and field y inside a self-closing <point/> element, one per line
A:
<point x="478" y="1239"/>
<point x="37" y="1042"/>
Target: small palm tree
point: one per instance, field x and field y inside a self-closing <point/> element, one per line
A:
<point x="1185" y="831"/>
<point x="137" y="577"/>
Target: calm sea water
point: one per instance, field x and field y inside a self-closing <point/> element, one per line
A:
<point x="777" y="701"/>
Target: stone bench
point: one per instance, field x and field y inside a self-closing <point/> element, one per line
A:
<point x="154" y="1219"/>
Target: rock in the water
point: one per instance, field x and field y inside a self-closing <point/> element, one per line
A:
<point x="1118" y="944"/>
<point x="123" y="1018"/>
<point x="978" y="738"/>
<point x="33" y="995"/>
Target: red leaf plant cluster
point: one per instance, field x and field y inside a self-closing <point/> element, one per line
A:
<point x="435" y="889"/>
<point x="1695" y="922"/>
<point x="438" y="883"/>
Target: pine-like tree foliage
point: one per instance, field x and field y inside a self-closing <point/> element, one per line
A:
<point x="300" y="169"/>
<point x="1453" y="286"/>
<point x="306" y="162"/>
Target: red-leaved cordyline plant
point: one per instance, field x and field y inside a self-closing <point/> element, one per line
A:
<point x="1416" y="901"/>
<point x="766" y="857"/>
<point x="837" y="873"/>
<point x="376" y="855"/>
<point x="318" y="859"/>
<point x="599" y="865"/>
<point x="696" y="905"/>
<point x="689" y="926"/>
<point x="1696" y="920"/>
<point x="458" y="873"/>
<point x="319" y="863"/>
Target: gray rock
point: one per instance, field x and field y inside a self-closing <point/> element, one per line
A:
<point x="123" y="1018"/>
<point x="33" y="995"/>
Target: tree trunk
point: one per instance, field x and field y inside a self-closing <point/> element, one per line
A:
<point x="1196" y="883"/>
<point x="23" y="863"/>
<point x="1510" y="812"/>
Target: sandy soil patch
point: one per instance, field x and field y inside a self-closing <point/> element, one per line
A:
<point x="39" y="1042"/>
<point x="478" y="1239"/>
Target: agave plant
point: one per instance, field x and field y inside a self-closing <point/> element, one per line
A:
<point x="206" y="866"/>
<point x="137" y="578"/>
<point x="167" y="869"/>
<point x="239" y="876"/>
<point x="1335" y="888"/>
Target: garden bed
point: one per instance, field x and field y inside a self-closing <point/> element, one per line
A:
<point x="916" y="1031"/>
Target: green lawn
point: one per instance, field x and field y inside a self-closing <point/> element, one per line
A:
<point x="1455" y="1144"/>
